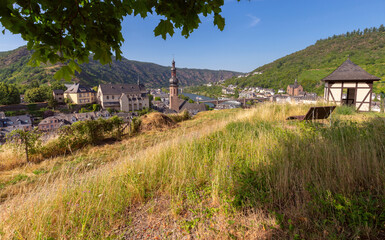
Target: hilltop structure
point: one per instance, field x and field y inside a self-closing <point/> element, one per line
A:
<point x="123" y="97"/>
<point x="294" y="89"/>
<point x="351" y="81"/>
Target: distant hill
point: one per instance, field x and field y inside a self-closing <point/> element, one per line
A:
<point x="14" y="69"/>
<point x="365" y="48"/>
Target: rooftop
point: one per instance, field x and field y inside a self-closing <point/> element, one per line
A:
<point x="117" y="89"/>
<point x="77" y="88"/>
<point x="349" y="71"/>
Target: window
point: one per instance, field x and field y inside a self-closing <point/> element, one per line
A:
<point x="51" y="126"/>
<point x="113" y="97"/>
<point x="108" y="97"/>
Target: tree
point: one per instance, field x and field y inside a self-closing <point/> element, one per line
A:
<point x="34" y="84"/>
<point x="96" y="107"/>
<point x="381" y="28"/>
<point x="35" y="95"/>
<point x="236" y="93"/>
<point x="9" y="94"/>
<point x="58" y="85"/>
<point x="52" y="103"/>
<point x="29" y="141"/>
<point x="69" y="31"/>
<point x="181" y="96"/>
<point x="47" y="90"/>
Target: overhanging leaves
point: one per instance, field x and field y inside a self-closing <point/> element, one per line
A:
<point x="164" y="27"/>
<point x="59" y="31"/>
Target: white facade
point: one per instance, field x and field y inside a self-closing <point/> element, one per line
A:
<point x="358" y="94"/>
<point x="123" y="97"/>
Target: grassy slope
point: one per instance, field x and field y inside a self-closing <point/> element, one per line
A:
<point x="14" y="69"/>
<point x="315" y="62"/>
<point x="227" y="174"/>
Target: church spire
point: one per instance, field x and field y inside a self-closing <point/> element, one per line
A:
<point x="174" y="101"/>
<point x="173" y="79"/>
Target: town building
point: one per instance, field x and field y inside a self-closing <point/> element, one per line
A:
<point x="52" y="123"/>
<point x="352" y="80"/>
<point x="123" y="97"/>
<point x="55" y="122"/>
<point x="79" y="94"/>
<point x="228" y="105"/>
<point x="294" y="89"/>
<point x="228" y="91"/>
<point x="58" y="95"/>
<point x="8" y="124"/>
<point x="247" y="94"/>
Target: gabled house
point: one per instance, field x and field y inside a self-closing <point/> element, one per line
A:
<point x="79" y="94"/>
<point x="123" y="97"/>
<point x="23" y="122"/>
<point x="53" y="123"/>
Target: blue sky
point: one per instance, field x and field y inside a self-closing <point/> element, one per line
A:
<point x="256" y="32"/>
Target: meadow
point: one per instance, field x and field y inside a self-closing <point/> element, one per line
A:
<point x="231" y="174"/>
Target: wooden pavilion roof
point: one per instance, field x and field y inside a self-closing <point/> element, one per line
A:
<point x="349" y="71"/>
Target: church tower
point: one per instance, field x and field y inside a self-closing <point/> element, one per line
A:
<point x="174" y="101"/>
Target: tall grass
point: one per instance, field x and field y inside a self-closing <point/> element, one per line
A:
<point x="345" y="110"/>
<point x="316" y="181"/>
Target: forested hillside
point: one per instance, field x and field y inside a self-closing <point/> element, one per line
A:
<point x="14" y="69"/>
<point x="365" y="48"/>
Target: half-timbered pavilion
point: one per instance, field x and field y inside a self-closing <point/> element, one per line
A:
<point x="351" y="85"/>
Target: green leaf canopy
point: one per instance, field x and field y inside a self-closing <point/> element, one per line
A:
<point x="68" y="31"/>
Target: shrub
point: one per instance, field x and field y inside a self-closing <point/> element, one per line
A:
<point x="83" y="133"/>
<point x="135" y="125"/>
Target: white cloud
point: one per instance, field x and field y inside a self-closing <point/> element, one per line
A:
<point x="254" y="20"/>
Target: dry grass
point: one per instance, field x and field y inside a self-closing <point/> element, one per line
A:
<point x="230" y="174"/>
<point x="155" y="122"/>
